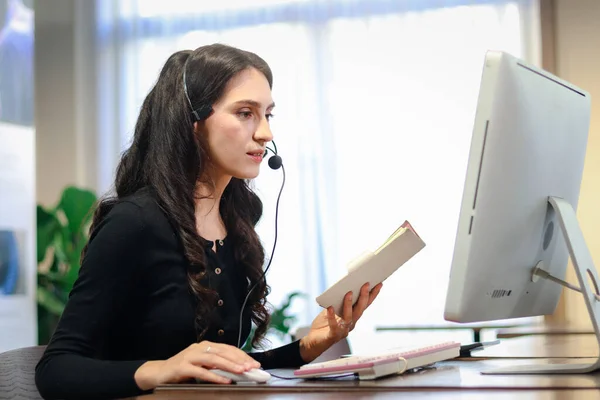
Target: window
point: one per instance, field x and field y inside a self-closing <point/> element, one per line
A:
<point x="375" y="106"/>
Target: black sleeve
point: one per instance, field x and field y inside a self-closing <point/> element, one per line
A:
<point x="287" y="356"/>
<point x="70" y="368"/>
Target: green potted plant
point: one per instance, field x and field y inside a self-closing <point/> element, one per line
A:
<point x="281" y="322"/>
<point x="62" y="232"/>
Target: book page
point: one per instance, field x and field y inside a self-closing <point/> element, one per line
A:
<point x="405" y="226"/>
<point x="392" y="237"/>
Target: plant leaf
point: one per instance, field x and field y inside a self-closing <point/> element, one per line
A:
<point x="248" y="345"/>
<point x="289" y="299"/>
<point x="73" y="271"/>
<point x="53" y="277"/>
<point x="49" y="301"/>
<point x="77" y="205"/>
<point x="47" y="227"/>
<point x="59" y="248"/>
<point x="279" y="320"/>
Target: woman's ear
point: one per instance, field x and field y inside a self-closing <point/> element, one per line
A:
<point x="200" y="131"/>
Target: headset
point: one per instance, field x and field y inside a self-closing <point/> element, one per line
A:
<point x="275" y="162"/>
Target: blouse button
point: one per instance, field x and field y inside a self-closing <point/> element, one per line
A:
<point x="218" y="271"/>
<point x="221" y="332"/>
<point x="221" y="242"/>
<point x="220" y="302"/>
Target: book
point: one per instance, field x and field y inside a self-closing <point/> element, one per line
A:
<point x="373" y="267"/>
<point x="393" y="361"/>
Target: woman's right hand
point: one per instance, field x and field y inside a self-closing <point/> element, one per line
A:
<point x="195" y="362"/>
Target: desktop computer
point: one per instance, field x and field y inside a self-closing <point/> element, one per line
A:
<point x="517" y="225"/>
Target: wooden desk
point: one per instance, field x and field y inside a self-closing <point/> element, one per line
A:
<point x="454" y="374"/>
<point x="559" y="346"/>
<point x="567" y="394"/>
<point x="451" y="379"/>
<point x="454" y="379"/>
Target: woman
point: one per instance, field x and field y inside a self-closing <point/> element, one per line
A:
<point x="172" y="256"/>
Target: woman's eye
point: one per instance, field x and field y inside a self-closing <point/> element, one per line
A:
<point x="245" y="114"/>
<point x="269" y="116"/>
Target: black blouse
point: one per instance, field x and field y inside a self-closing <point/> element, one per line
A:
<point x="132" y="303"/>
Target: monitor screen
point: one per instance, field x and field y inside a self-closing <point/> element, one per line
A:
<point x="528" y="143"/>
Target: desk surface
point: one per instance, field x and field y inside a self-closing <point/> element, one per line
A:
<point x="454" y="379"/>
<point x="542" y="346"/>
<point x="450" y="375"/>
<point x="569" y="394"/>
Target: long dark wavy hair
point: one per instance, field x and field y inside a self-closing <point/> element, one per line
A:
<point x="169" y="158"/>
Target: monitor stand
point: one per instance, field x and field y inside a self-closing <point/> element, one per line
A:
<point x="584" y="267"/>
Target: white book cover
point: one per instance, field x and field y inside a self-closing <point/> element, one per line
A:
<point x="373" y="267"/>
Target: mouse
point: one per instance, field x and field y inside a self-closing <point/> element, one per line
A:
<point x="256" y="375"/>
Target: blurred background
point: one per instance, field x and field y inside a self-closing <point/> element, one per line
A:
<point x="375" y="107"/>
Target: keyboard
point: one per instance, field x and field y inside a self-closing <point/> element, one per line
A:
<point x="393" y="361"/>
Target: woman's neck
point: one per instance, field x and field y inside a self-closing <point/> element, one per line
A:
<point x="209" y="223"/>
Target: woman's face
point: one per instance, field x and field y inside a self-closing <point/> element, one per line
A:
<point x="238" y="129"/>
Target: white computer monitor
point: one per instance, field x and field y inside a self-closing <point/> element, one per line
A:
<point x="521" y="191"/>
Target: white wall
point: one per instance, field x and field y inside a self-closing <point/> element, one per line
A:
<point x="577" y="59"/>
<point x="64" y="96"/>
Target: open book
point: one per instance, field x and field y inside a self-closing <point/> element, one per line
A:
<point x="373" y="267"/>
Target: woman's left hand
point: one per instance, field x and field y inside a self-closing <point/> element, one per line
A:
<point x="328" y="328"/>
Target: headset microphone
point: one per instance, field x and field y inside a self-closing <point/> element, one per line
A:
<point x="275" y="162"/>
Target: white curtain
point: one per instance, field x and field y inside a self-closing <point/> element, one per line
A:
<point x="375" y="106"/>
